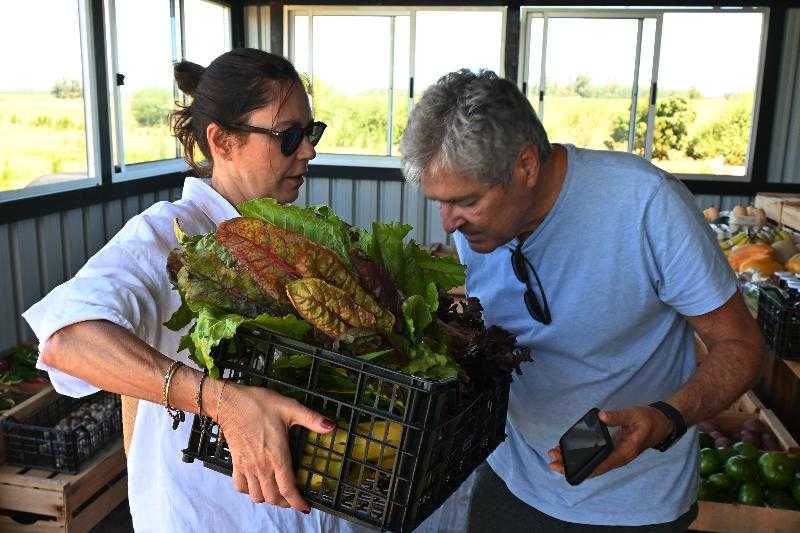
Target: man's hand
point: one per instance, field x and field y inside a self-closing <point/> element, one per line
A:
<point x="640" y="428"/>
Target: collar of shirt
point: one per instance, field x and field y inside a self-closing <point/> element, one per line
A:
<point x="215" y="207"/>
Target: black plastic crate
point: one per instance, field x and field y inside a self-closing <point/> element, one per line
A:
<point x="37" y="442"/>
<point x="780" y="323"/>
<point x="403" y="445"/>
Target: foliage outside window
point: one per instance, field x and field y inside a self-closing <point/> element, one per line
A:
<point x="701" y="120"/>
<point x="359" y="64"/>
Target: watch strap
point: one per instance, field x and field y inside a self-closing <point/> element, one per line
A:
<point x="678" y="425"/>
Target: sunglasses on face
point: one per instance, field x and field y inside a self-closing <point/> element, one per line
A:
<point x="290" y="138"/>
<point x="539" y="312"/>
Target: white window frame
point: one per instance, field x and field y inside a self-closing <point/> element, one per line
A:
<point x="291" y="11"/>
<point x="121" y="171"/>
<point x="527" y="14"/>
<point x="257" y="28"/>
<point x="91" y="127"/>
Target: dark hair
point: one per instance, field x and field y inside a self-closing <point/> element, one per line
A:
<point x="232" y="86"/>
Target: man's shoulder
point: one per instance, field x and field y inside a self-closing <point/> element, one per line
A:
<point x="621" y="169"/>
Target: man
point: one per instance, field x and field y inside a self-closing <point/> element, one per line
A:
<point x="603" y="265"/>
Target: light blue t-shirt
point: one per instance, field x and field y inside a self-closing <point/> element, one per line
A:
<point x="623" y="253"/>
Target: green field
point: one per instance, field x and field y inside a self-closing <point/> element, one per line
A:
<point x="43" y="135"/>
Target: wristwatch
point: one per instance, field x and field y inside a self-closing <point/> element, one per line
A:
<point x="678" y="425"/>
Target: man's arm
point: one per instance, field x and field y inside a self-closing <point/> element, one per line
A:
<point x="732" y="366"/>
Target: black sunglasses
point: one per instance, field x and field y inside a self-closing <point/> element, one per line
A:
<point x="290" y="138"/>
<point x="540" y="313"/>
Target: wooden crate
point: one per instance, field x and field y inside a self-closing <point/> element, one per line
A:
<point x="733" y="518"/>
<point x="783" y="208"/>
<point x="42" y="501"/>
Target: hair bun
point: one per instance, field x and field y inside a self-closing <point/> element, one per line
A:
<point x="187" y="76"/>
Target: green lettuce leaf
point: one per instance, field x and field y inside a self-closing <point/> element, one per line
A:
<point x="417" y="316"/>
<point x="214" y="326"/>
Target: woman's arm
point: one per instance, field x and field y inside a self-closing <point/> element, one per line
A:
<point x="255" y="420"/>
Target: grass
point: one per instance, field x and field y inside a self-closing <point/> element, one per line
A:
<point x="45" y="135"/>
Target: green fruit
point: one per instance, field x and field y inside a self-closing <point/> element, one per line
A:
<point x="796" y="488"/>
<point x="706" y="440"/>
<point x="747" y="449"/>
<point x="777" y="469"/>
<point x="709" y="462"/>
<point x="721" y="483"/>
<point x="750" y="493"/>
<point x="781" y="500"/>
<point x="740" y="468"/>
<point x="725" y="453"/>
<point x="706" y="492"/>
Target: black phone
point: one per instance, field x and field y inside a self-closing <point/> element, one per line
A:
<point x="584" y="446"/>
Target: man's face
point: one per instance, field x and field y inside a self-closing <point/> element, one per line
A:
<point x="487" y="215"/>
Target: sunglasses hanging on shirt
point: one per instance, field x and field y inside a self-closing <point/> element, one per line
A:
<point x="520" y="264"/>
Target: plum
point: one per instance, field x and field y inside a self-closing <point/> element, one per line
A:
<point x="754" y="425"/>
<point x="707" y="426"/>
<point x="723" y="442"/>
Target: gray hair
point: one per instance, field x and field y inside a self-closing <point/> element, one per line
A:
<point x="473" y="123"/>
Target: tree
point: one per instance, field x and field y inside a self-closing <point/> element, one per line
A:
<point x="67" y="89"/>
<point x="727" y="136"/>
<point x="672" y="120"/>
<point x="152" y="106"/>
<point x="582" y="86"/>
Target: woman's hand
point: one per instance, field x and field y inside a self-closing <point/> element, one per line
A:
<point x="255" y="422"/>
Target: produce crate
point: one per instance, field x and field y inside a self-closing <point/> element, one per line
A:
<point x="33" y="441"/>
<point x="402" y="445"/>
<point x="33" y="500"/>
<point x="735" y="518"/>
<point x="780" y="325"/>
<point x="781" y="207"/>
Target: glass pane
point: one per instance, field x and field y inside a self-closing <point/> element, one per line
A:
<point x="706" y="84"/>
<point x="534" y="77"/>
<point x="42" y="120"/>
<point x="207" y="28"/>
<point x="300" y="56"/>
<point x="589" y="80"/>
<point x="147" y="96"/>
<point x="401" y="76"/>
<point x="452" y="40"/>
<point x="352" y="96"/>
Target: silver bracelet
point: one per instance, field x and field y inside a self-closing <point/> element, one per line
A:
<point x="177" y="415"/>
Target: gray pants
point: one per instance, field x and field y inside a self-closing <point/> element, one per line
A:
<point x="493" y="508"/>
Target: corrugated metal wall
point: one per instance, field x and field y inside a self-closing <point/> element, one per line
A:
<point x="38" y="254"/>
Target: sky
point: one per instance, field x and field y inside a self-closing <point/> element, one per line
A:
<point x="715" y="52"/>
<point x="144" y="39"/>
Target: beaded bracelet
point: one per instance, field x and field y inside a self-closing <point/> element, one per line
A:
<point x="199" y="398"/>
<point x="177" y="415"/>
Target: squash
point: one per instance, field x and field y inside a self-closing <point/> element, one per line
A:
<point x="750" y="251"/>
<point x="766" y="265"/>
<point x="793" y="264"/>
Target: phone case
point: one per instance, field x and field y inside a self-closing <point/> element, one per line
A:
<point x="575" y="478"/>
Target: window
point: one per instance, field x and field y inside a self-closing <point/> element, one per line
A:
<point x="598" y="68"/>
<point x="363" y="64"/>
<point x="141" y="77"/>
<point x="45" y="116"/>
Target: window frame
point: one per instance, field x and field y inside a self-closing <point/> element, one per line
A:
<point x="121" y="170"/>
<point x="293" y="10"/>
<point x="527" y="14"/>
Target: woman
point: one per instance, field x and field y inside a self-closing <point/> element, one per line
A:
<point x="250" y="118"/>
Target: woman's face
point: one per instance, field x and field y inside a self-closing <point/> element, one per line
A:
<point x="257" y="167"/>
